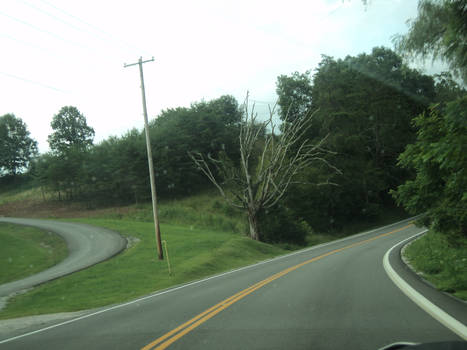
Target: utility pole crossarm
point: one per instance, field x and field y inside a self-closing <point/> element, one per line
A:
<point x="139" y="62"/>
<point x="150" y="161"/>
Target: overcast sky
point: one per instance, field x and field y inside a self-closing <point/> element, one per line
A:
<point x="68" y="52"/>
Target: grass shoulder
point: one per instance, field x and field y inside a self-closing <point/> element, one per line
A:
<point x="194" y="254"/>
<point x="441" y="262"/>
<point x="25" y="251"/>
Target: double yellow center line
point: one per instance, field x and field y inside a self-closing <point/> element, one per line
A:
<point x="164" y="341"/>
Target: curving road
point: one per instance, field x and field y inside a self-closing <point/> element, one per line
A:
<point x="87" y="245"/>
<point x="333" y="296"/>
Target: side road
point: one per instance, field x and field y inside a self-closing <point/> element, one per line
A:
<point x="87" y="246"/>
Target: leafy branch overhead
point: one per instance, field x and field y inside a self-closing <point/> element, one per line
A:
<point x="439" y="159"/>
<point x="269" y="163"/>
<point x="439" y="31"/>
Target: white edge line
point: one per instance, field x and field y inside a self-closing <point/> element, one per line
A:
<point x="197" y="282"/>
<point x="434" y="311"/>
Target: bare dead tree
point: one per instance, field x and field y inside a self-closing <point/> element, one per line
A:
<point x="269" y="164"/>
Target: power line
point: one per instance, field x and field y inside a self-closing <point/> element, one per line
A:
<point x="27" y="43"/>
<point x="33" y="82"/>
<point x="121" y="42"/>
<point x="51" y="34"/>
<point x="112" y="43"/>
<point x="69" y="42"/>
<point x="50" y="15"/>
<point x="32" y="26"/>
<point x="69" y="24"/>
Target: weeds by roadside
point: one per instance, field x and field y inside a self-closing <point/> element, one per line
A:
<point x="441" y="262"/>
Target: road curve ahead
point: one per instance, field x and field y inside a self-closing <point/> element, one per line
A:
<point x="333" y="296"/>
<point x="87" y="245"/>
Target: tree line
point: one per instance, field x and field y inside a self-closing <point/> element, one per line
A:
<point x="114" y="171"/>
<point x="364" y="106"/>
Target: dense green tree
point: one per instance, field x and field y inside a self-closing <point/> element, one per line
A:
<point x="51" y="174"/>
<point x="206" y="127"/>
<point x="70" y="130"/>
<point x="70" y="143"/>
<point x="294" y="94"/>
<point x="438" y="156"/>
<point x="280" y="225"/>
<point x="116" y="170"/>
<point x="446" y="88"/>
<point x="439" y="31"/>
<point x="63" y="174"/>
<point x="17" y="148"/>
<point x="439" y="159"/>
<point x="38" y="172"/>
<point x="365" y="104"/>
<point x="113" y="171"/>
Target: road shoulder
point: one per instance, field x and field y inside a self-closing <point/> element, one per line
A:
<point x="450" y="311"/>
<point x="16" y="326"/>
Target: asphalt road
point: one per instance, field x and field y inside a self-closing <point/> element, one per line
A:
<point x="87" y="245"/>
<point x="334" y="296"/>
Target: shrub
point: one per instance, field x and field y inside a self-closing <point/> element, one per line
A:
<point x="280" y="225"/>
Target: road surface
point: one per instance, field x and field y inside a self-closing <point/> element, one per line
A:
<point x="87" y="245"/>
<point x="334" y="296"/>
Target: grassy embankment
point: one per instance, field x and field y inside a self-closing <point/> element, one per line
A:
<point x="441" y="262"/>
<point x="25" y="251"/>
<point x="194" y="253"/>
<point x="204" y="237"/>
<point x="19" y="190"/>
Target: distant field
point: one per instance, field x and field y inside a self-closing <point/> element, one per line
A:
<point x="26" y="250"/>
<point x="441" y="262"/>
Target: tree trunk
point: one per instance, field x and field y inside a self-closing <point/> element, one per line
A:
<point x="253" y="221"/>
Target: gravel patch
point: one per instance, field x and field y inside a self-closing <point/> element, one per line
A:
<point x="131" y="241"/>
<point x="14" y="325"/>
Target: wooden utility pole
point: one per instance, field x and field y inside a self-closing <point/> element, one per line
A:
<point x="150" y="163"/>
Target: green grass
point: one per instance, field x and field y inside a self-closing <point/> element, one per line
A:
<point x="15" y="194"/>
<point x="194" y="254"/>
<point x="206" y="210"/>
<point x="209" y="211"/>
<point x="25" y="251"/>
<point x="205" y="236"/>
<point x="441" y="262"/>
